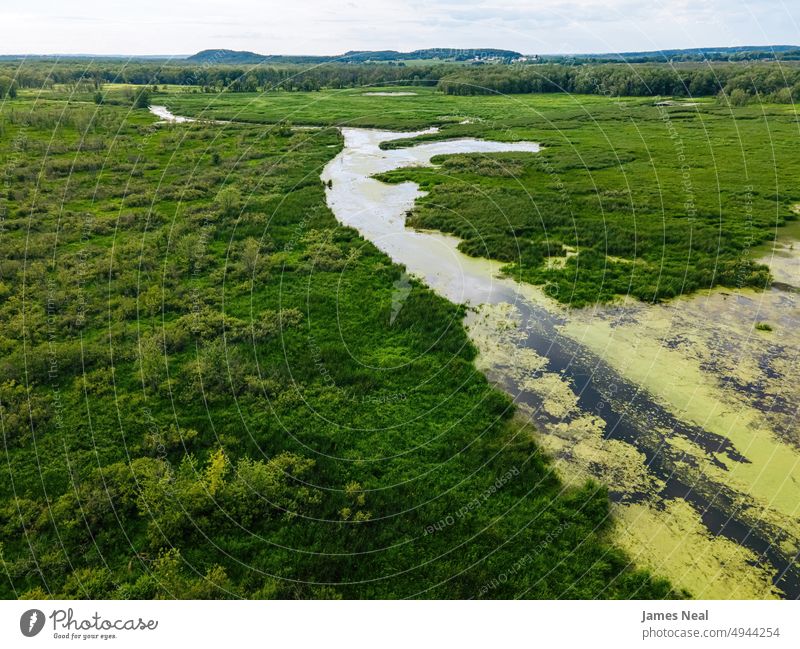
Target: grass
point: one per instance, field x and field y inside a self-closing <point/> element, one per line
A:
<point x="203" y="394"/>
<point x="633" y="199"/>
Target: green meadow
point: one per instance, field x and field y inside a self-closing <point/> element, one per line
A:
<point x="207" y="390"/>
<point x="204" y="394"/>
<point x="628" y="197"/>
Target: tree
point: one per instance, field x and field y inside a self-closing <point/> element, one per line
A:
<point x="8" y="88"/>
<point x="142" y="99"/>
<point x="783" y="96"/>
<point x="251" y="252"/>
<point x="150" y="361"/>
<point x="739" y="97"/>
<point x="175" y="579"/>
<point x="219" y="370"/>
<point x="228" y="201"/>
<point x="152" y="300"/>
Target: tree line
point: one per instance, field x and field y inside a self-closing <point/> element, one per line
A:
<point x="773" y="81"/>
<point x="214" y="78"/>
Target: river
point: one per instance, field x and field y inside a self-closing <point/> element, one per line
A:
<point x="692" y="428"/>
<point x="684" y="410"/>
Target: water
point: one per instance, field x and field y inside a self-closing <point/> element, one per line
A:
<point x="676" y="454"/>
<point x="164" y="114"/>
<point x="691" y="426"/>
<point x="377" y="211"/>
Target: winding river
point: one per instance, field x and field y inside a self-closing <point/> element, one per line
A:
<point x="684" y="410"/>
<point x="692" y="428"/>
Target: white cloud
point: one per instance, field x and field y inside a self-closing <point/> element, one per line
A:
<point x="324" y="27"/>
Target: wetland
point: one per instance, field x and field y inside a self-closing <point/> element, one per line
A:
<point x="688" y="425"/>
<point x="395" y="341"/>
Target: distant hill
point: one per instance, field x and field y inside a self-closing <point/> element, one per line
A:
<point x="477" y="55"/>
<point x="222" y="56"/>
<point x="226" y="56"/>
<point x="431" y="53"/>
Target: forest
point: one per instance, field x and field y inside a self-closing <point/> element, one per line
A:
<point x="743" y="81"/>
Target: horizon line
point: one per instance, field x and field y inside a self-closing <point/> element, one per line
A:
<point x="333" y="56"/>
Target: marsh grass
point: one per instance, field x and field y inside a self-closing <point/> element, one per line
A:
<point x="201" y="394"/>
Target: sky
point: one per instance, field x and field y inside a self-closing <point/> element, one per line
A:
<point x="137" y="27"/>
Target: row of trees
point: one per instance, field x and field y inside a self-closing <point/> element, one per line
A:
<point x="776" y="82"/>
<point x="8" y="87"/>
<point x="89" y="77"/>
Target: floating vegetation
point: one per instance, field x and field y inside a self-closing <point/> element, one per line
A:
<point x="677" y="418"/>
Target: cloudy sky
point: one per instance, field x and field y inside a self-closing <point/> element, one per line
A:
<point x="334" y="26"/>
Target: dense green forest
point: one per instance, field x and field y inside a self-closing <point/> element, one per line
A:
<point x="202" y="394"/>
<point x="770" y="82"/>
<point x="744" y="81"/>
<point x="696" y="54"/>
